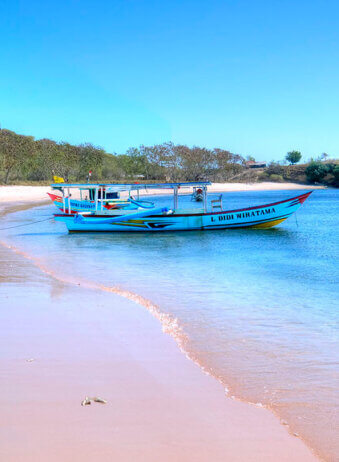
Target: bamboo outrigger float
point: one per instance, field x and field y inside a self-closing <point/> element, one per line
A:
<point x="145" y="216"/>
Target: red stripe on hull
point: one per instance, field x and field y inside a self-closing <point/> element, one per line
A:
<point x="300" y="198"/>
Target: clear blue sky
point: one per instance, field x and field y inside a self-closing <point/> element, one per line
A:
<point x="255" y="77"/>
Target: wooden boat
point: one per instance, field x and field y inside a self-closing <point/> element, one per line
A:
<point x="175" y="219"/>
<point x="86" y="200"/>
<point x="197" y="195"/>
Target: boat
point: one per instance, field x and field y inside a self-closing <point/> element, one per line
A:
<point x="197" y="194"/>
<point x="86" y="199"/>
<point x="147" y="218"/>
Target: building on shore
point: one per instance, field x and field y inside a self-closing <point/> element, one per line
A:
<point x="254" y="164"/>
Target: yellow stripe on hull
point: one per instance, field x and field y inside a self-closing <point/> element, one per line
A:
<point x="268" y="224"/>
<point x="134" y="223"/>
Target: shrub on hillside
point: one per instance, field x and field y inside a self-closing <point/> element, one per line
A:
<point x="336" y="175"/>
<point x="263" y="176"/>
<point x="316" y="171"/>
<point x="275" y="177"/>
<point x="275" y="169"/>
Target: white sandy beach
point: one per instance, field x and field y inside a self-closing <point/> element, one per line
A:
<point x="24" y="194"/>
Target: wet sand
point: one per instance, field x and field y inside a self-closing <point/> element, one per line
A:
<point x="87" y="342"/>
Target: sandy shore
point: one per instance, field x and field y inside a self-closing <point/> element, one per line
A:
<point x="87" y="342"/>
<point x="24" y="194"/>
<point x="265" y="186"/>
<point x="21" y="194"/>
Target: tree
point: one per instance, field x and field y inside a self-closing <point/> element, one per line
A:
<point x="23" y="158"/>
<point x="138" y="163"/>
<point x="67" y="160"/>
<point x="293" y="157"/>
<point x="155" y="160"/>
<point x="196" y="162"/>
<point x="111" y="168"/>
<point x="89" y="158"/>
<point x="316" y="171"/>
<point x="324" y="156"/>
<point x="227" y="164"/>
<point x="47" y="160"/>
<point x="16" y="152"/>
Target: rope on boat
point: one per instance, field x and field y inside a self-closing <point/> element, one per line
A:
<point x="26" y="224"/>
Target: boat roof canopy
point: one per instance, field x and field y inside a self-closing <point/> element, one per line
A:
<point x="129" y="186"/>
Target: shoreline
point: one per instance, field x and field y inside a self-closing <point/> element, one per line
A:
<point x="24" y="194"/>
<point x="257" y="432"/>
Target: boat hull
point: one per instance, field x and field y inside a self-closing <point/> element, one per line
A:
<point x="260" y="217"/>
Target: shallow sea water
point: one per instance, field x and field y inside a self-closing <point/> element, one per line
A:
<point x="258" y="309"/>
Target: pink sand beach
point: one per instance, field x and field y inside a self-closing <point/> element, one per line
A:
<point x="61" y="342"/>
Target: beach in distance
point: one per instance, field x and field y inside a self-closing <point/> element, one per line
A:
<point x="36" y="193"/>
<point x="198" y="345"/>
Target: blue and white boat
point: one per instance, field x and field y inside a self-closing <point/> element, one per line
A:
<point x="148" y="217"/>
<point x="86" y="200"/>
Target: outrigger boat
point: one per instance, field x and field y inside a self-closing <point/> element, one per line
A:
<point x="86" y="200"/>
<point x="197" y="194"/>
<point x="152" y="218"/>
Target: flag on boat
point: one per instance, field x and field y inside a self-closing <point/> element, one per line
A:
<point x="58" y="179"/>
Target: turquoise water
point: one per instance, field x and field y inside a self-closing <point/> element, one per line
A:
<point x="258" y="308"/>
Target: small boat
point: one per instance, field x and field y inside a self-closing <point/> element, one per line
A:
<point x="86" y="200"/>
<point x="146" y="218"/>
<point x="197" y="194"/>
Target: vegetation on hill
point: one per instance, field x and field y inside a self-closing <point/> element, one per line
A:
<point x="314" y="172"/>
<point x="24" y="159"/>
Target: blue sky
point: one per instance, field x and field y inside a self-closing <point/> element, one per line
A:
<point x="255" y="77"/>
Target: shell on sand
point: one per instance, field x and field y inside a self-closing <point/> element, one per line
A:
<point x="96" y="399"/>
<point x="86" y="401"/>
